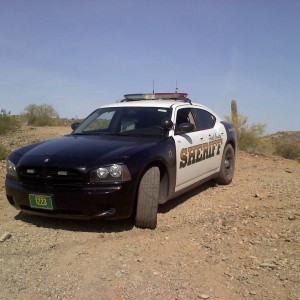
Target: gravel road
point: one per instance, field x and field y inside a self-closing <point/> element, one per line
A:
<point x="240" y="241"/>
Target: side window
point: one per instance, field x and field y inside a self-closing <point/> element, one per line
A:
<point x="205" y="120"/>
<point x="184" y="115"/>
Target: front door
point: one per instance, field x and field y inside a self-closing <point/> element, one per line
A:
<point x="191" y="150"/>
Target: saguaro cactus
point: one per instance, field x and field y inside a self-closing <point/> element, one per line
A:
<point x="234" y="113"/>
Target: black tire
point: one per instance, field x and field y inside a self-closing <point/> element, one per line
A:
<point x="227" y="166"/>
<point x="147" y="200"/>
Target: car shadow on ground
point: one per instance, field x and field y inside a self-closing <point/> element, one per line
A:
<point x="164" y="208"/>
<point x="105" y="226"/>
<point x="100" y="226"/>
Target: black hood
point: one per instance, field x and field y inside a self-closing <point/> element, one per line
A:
<point x="82" y="151"/>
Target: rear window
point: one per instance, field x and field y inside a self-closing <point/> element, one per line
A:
<point x="205" y="120"/>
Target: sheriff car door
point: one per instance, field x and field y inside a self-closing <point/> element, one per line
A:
<point x="190" y="165"/>
<point x="215" y="134"/>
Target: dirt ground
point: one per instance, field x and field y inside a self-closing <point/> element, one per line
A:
<point x="240" y="241"/>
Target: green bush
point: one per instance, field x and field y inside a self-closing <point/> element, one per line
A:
<point x="289" y="151"/>
<point x="7" y="122"/>
<point x="40" y="115"/>
<point x="249" y="136"/>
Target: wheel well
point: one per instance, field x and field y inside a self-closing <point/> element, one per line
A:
<point x="233" y="144"/>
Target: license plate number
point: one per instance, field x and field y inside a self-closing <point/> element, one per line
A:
<point x="41" y="201"/>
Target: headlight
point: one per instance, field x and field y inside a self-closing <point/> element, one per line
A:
<point x="116" y="171"/>
<point x="102" y="172"/>
<point x="110" y="173"/>
<point x="11" y="168"/>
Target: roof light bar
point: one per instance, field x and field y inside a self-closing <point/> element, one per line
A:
<point x="155" y="96"/>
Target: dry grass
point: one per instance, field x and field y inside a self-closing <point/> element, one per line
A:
<point x="285" y="144"/>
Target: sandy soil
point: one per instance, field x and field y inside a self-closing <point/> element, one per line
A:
<point x="240" y="241"/>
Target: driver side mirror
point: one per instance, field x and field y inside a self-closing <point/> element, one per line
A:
<point x="167" y="124"/>
<point x="75" y="125"/>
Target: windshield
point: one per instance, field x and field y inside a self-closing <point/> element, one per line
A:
<point x="141" y="121"/>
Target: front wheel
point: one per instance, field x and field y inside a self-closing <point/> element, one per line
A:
<point x="147" y="200"/>
<point x="227" y="166"/>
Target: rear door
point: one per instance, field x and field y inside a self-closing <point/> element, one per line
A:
<point x="216" y="137"/>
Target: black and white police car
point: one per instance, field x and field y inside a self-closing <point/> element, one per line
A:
<point x="123" y="160"/>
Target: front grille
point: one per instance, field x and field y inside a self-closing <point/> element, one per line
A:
<point x="70" y="177"/>
<point x="33" y="176"/>
<point x="50" y="177"/>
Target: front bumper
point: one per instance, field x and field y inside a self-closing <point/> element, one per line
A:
<point x="107" y="202"/>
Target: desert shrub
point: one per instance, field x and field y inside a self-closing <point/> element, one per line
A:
<point x="7" y="122"/>
<point x="289" y="151"/>
<point x="3" y="152"/>
<point x="248" y="136"/>
<point x="40" y="115"/>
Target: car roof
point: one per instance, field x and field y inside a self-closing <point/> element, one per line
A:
<point x="154" y="103"/>
<point x="147" y="103"/>
<point x="164" y="103"/>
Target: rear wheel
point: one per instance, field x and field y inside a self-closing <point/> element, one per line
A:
<point x="147" y="201"/>
<point x="227" y="166"/>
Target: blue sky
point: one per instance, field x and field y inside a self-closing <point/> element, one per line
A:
<point x="78" y="55"/>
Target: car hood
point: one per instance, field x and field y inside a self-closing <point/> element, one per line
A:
<point x="82" y="151"/>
